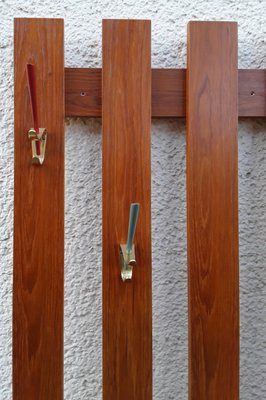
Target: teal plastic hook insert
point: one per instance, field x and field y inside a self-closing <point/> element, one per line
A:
<point x="127" y="251"/>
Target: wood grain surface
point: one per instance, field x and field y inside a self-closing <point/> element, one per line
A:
<point x="84" y="97"/>
<point x="38" y="284"/>
<point x="212" y="206"/>
<point x="127" y="306"/>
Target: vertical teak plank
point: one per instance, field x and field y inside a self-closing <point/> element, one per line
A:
<point x="127" y="307"/>
<point x="212" y="206"/>
<point x="39" y="215"/>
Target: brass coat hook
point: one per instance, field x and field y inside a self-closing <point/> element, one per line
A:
<point x="37" y="135"/>
<point x="127" y="251"/>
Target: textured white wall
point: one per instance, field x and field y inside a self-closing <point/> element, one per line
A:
<point x="83" y="198"/>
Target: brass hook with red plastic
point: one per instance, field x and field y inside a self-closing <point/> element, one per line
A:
<point x="37" y="135"/>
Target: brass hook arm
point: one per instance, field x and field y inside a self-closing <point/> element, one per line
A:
<point x="38" y="145"/>
<point x="127" y="261"/>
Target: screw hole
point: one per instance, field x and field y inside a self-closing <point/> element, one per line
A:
<point x="83" y="94"/>
<point x="252" y="93"/>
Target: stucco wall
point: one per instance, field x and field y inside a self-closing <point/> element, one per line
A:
<point x="83" y="198"/>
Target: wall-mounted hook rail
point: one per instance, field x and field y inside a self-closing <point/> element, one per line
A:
<point x="127" y="251"/>
<point x="83" y="90"/>
<point x="37" y="135"/>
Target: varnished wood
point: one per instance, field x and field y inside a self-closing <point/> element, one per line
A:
<point x="127" y="308"/>
<point x="212" y="206"/>
<point x="38" y="215"/>
<point x="83" y="92"/>
<point x="252" y="93"/>
<point x="84" y="98"/>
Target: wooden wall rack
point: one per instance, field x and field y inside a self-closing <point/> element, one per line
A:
<point x="212" y="93"/>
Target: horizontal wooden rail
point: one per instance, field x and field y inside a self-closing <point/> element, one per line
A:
<point x="84" y="97"/>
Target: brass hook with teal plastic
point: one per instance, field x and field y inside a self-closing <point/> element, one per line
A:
<point x="127" y="251"/>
